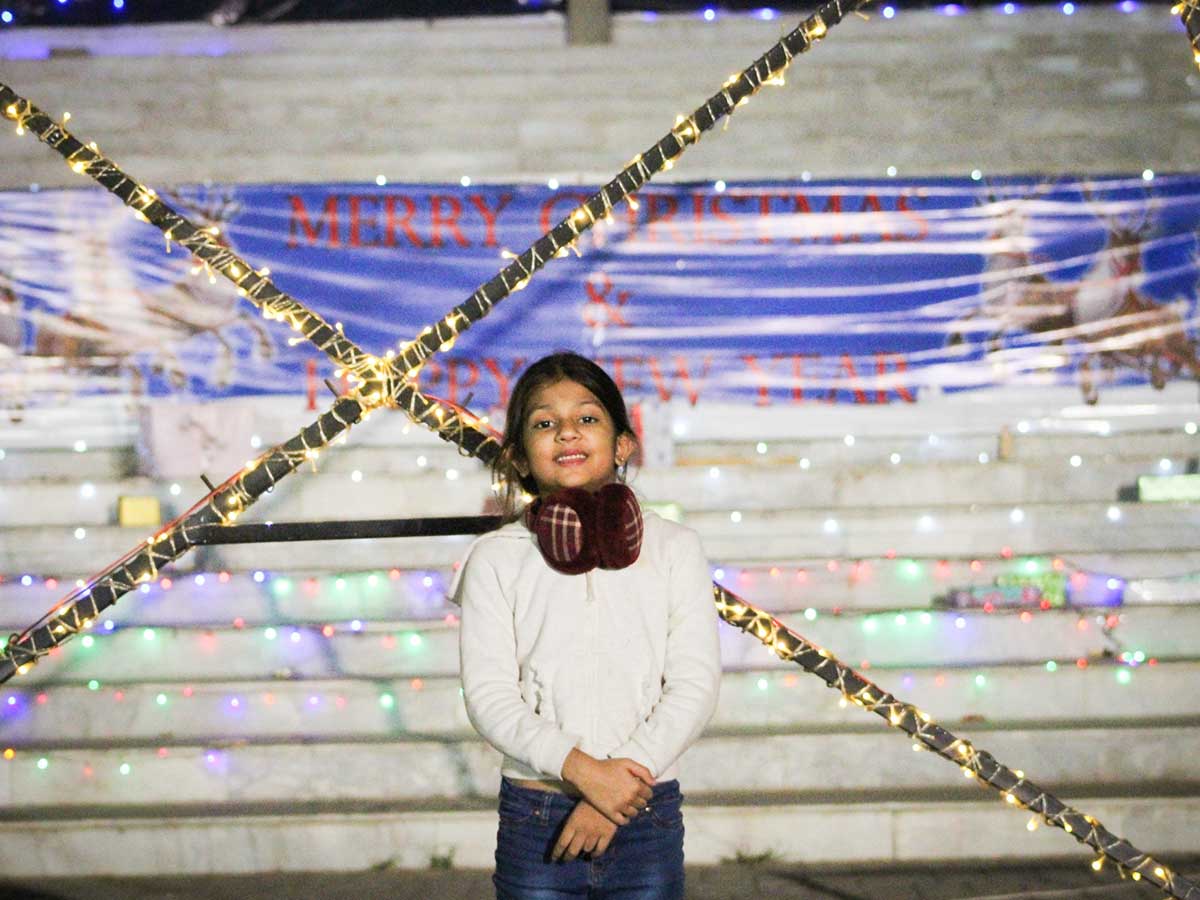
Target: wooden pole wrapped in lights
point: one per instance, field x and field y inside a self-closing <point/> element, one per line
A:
<point x="1189" y="12"/>
<point x="738" y="89"/>
<point x="1013" y="786"/>
<point x="78" y="611"/>
<point x="390" y="381"/>
<point x="378" y="381"/>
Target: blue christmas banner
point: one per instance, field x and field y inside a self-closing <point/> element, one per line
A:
<point x="766" y="293"/>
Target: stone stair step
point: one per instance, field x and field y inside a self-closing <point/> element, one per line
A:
<point x="48" y="713"/>
<point x="424" y="648"/>
<point x="184" y="596"/>
<point x="364" y="492"/>
<point x="818" y="833"/>
<point x="875" y="450"/>
<point x="18" y="467"/>
<point x="826" y="767"/>
<point x="783" y="533"/>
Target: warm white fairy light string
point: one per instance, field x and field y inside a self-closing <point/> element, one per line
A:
<point x="768" y="69"/>
<point x="377" y="381"/>
<point x="1013" y="786"/>
<point x="78" y="611"/>
<point x="1189" y="12"/>
<point x="390" y="381"/>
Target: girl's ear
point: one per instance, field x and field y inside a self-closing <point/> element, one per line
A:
<point x="512" y="457"/>
<point x="626" y="447"/>
<point x="519" y="463"/>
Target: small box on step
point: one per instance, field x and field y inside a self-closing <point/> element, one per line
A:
<point x="138" y="512"/>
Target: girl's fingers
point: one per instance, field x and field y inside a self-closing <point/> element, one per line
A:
<point x="560" y="848"/>
<point x="569" y="851"/>
<point x="576" y="847"/>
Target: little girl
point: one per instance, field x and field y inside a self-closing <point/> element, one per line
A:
<point x="589" y="650"/>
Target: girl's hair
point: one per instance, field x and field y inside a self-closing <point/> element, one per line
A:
<point x="546" y="371"/>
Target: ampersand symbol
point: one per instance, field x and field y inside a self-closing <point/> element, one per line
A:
<point x="603" y="308"/>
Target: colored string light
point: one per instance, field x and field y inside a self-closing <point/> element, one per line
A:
<point x="389" y="381"/>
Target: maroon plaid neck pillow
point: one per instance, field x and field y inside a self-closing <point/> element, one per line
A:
<point x="578" y="531"/>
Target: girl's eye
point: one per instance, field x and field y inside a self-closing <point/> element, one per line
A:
<point x="543" y="423"/>
<point x="588" y="419"/>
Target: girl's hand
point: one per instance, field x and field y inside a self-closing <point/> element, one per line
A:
<point x="619" y="788"/>
<point x="586" y="830"/>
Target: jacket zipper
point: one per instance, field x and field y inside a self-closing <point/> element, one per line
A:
<point x="593" y="627"/>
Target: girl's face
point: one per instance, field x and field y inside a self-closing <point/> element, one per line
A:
<point x="569" y="440"/>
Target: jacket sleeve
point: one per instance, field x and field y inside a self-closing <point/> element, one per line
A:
<point x="491" y="676"/>
<point x="692" y="674"/>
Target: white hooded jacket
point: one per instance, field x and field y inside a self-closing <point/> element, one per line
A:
<point x="618" y="662"/>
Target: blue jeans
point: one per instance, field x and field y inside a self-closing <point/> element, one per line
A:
<point x="643" y="862"/>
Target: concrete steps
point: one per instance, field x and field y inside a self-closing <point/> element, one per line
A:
<point x="671" y="64"/>
<point x="368" y="492"/>
<point x="768" y="536"/>
<point x="394" y="452"/>
<point x="873" y="449"/>
<point x="830" y="767"/>
<point x="184" y="596"/>
<point x="312" y="719"/>
<point x="1044" y="423"/>
<point x="155" y="709"/>
<point x="418" y="649"/>
<point x="191" y="842"/>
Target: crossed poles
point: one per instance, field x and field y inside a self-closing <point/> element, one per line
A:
<point x="390" y="381"/>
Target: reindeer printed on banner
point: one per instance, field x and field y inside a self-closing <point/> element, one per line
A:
<point x="1105" y="311"/>
<point x="123" y="328"/>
